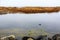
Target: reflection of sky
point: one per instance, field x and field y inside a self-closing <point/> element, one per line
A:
<point x="53" y="17"/>
<point x="50" y="22"/>
<point x="20" y="3"/>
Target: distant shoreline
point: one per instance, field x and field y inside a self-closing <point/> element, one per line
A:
<point x="28" y="10"/>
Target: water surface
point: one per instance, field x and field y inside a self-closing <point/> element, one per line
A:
<point x="25" y="23"/>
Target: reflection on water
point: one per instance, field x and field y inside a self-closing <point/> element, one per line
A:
<point x="28" y="24"/>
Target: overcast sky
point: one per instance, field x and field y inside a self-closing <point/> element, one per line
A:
<point x="20" y="3"/>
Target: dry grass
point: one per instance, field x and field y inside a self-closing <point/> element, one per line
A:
<point x="29" y="9"/>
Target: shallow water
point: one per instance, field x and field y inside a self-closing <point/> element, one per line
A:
<point x="26" y="24"/>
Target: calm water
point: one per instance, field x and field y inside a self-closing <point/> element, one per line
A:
<point x="26" y="24"/>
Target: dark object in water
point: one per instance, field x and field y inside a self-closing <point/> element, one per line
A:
<point x="56" y="37"/>
<point x="28" y="38"/>
<point x="42" y="37"/>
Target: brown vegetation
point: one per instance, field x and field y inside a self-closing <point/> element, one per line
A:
<point x="29" y="9"/>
